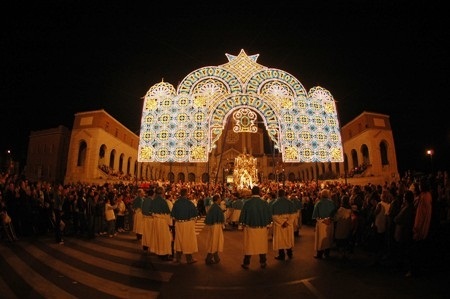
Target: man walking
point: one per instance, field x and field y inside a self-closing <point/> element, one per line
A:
<point x="324" y="210"/>
<point x="214" y="223"/>
<point x="161" y="236"/>
<point x="185" y="214"/>
<point x="255" y="217"/>
<point x="147" y="220"/>
<point x="284" y="213"/>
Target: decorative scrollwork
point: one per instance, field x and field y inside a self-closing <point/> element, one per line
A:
<point x="184" y="125"/>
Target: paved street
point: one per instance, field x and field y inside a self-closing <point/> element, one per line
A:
<point x="118" y="268"/>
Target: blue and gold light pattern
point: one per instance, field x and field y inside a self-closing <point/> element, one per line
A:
<point x="224" y="109"/>
<point x="184" y="124"/>
<point x="244" y="121"/>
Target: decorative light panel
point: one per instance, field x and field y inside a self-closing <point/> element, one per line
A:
<point x="184" y="125"/>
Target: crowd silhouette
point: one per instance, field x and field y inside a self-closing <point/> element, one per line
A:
<point x="383" y="220"/>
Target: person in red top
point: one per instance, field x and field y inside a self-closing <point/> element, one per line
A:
<point x="422" y="220"/>
<point x="421" y="228"/>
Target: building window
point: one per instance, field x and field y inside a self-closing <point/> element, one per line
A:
<point x="354" y="159"/>
<point x="171" y="177"/>
<point x="112" y="156"/>
<point x="384" y="153"/>
<point x="121" y="162"/>
<point x="191" y="177"/>
<point x="82" y="151"/>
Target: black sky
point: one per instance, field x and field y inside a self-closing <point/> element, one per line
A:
<point x="64" y="57"/>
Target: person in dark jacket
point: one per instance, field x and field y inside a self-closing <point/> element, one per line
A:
<point x="255" y="218"/>
<point x="214" y="221"/>
<point x="185" y="214"/>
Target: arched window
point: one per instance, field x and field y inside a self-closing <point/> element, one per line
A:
<point x="181" y="177"/>
<point x="112" y="156"/>
<point x="122" y="156"/>
<point x="291" y="177"/>
<point x="365" y="154"/>
<point x="205" y="177"/>
<point x="338" y="169"/>
<point x="101" y="156"/>
<point x="129" y="165"/>
<point x="171" y="177"/>
<point x="355" y="163"/>
<point x="384" y="153"/>
<point x="82" y="151"/>
<point x="191" y="177"/>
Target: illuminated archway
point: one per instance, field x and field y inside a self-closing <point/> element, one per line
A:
<point x="184" y="125"/>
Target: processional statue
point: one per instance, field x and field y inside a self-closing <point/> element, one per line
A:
<point x="245" y="173"/>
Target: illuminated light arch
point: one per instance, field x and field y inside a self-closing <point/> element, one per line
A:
<point x="220" y="114"/>
<point x="184" y="125"/>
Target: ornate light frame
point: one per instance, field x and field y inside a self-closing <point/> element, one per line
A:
<point x="183" y="125"/>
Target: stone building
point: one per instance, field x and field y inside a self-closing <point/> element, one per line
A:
<point x="47" y="154"/>
<point x="369" y="149"/>
<point x="101" y="149"/>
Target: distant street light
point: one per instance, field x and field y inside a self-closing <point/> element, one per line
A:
<point x="10" y="162"/>
<point x="430" y="152"/>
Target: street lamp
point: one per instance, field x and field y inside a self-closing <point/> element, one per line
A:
<point x="10" y="162"/>
<point x="430" y="152"/>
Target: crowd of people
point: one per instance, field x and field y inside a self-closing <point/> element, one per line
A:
<point x="392" y="221"/>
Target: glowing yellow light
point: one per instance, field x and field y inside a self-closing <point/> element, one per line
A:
<point x="151" y="104"/>
<point x="291" y="153"/>
<point x="195" y="113"/>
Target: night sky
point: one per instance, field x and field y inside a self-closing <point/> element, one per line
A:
<point x="63" y="57"/>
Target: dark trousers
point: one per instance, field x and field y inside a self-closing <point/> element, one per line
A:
<point x="321" y="253"/>
<point x="90" y="226"/>
<point x="282" y="253"/>
<point x="58" y="232"/>
<point x="419" y="257"/>
<point x="120" y="221"/>
<point x="262" y="259"/>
